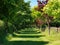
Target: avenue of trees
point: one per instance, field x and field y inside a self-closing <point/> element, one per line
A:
<point x="17" y="14"/>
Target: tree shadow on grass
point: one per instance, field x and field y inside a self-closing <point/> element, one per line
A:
<point x="29" y="36"/>
<point x="27" y="43"/>
<point x="28" y="32"/>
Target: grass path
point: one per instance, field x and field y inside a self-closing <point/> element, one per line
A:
<point x="41" y="40"/>
<point x="35" y="39"/>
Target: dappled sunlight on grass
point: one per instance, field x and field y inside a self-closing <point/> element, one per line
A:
<point x="35" y="39"/>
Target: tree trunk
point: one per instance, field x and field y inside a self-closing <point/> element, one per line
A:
<point x="15" y="29"/>
<point x="48" y="24"/>
<point x="57" y="29"/>
<point x="49" y="28"/>
<point x="6" y="26"/>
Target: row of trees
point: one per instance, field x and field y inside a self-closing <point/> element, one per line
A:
<point x="49" y="14"/>
<point x="16" y="14"/>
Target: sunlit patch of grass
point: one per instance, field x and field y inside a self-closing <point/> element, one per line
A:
<point x="54" y="36"/>
<point x="55" y="43"/>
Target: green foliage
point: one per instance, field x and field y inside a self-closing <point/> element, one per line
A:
<point x="16" y="12"/>
<point x="55" y="23"/>
<point x="35" y="14"/>
<point x="14" y="15"/>
<point x="53" y="8"/>
<point x="23" y="16"/>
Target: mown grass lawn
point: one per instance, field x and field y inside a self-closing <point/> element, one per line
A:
<point x="34" y="39"/>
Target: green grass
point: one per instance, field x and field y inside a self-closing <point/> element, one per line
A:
<point x="31" y="39"/>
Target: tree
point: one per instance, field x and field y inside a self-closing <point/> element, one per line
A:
<point x="37" y="17"/>
<point x="16" y="13"/>
<point x="53" y="8"/>
<point x="23" y="18"/>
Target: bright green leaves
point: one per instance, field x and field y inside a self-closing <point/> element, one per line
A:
<point x="35" y="13"/>
<point x="1" y="23"/>
<point x="53" y="8"/>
